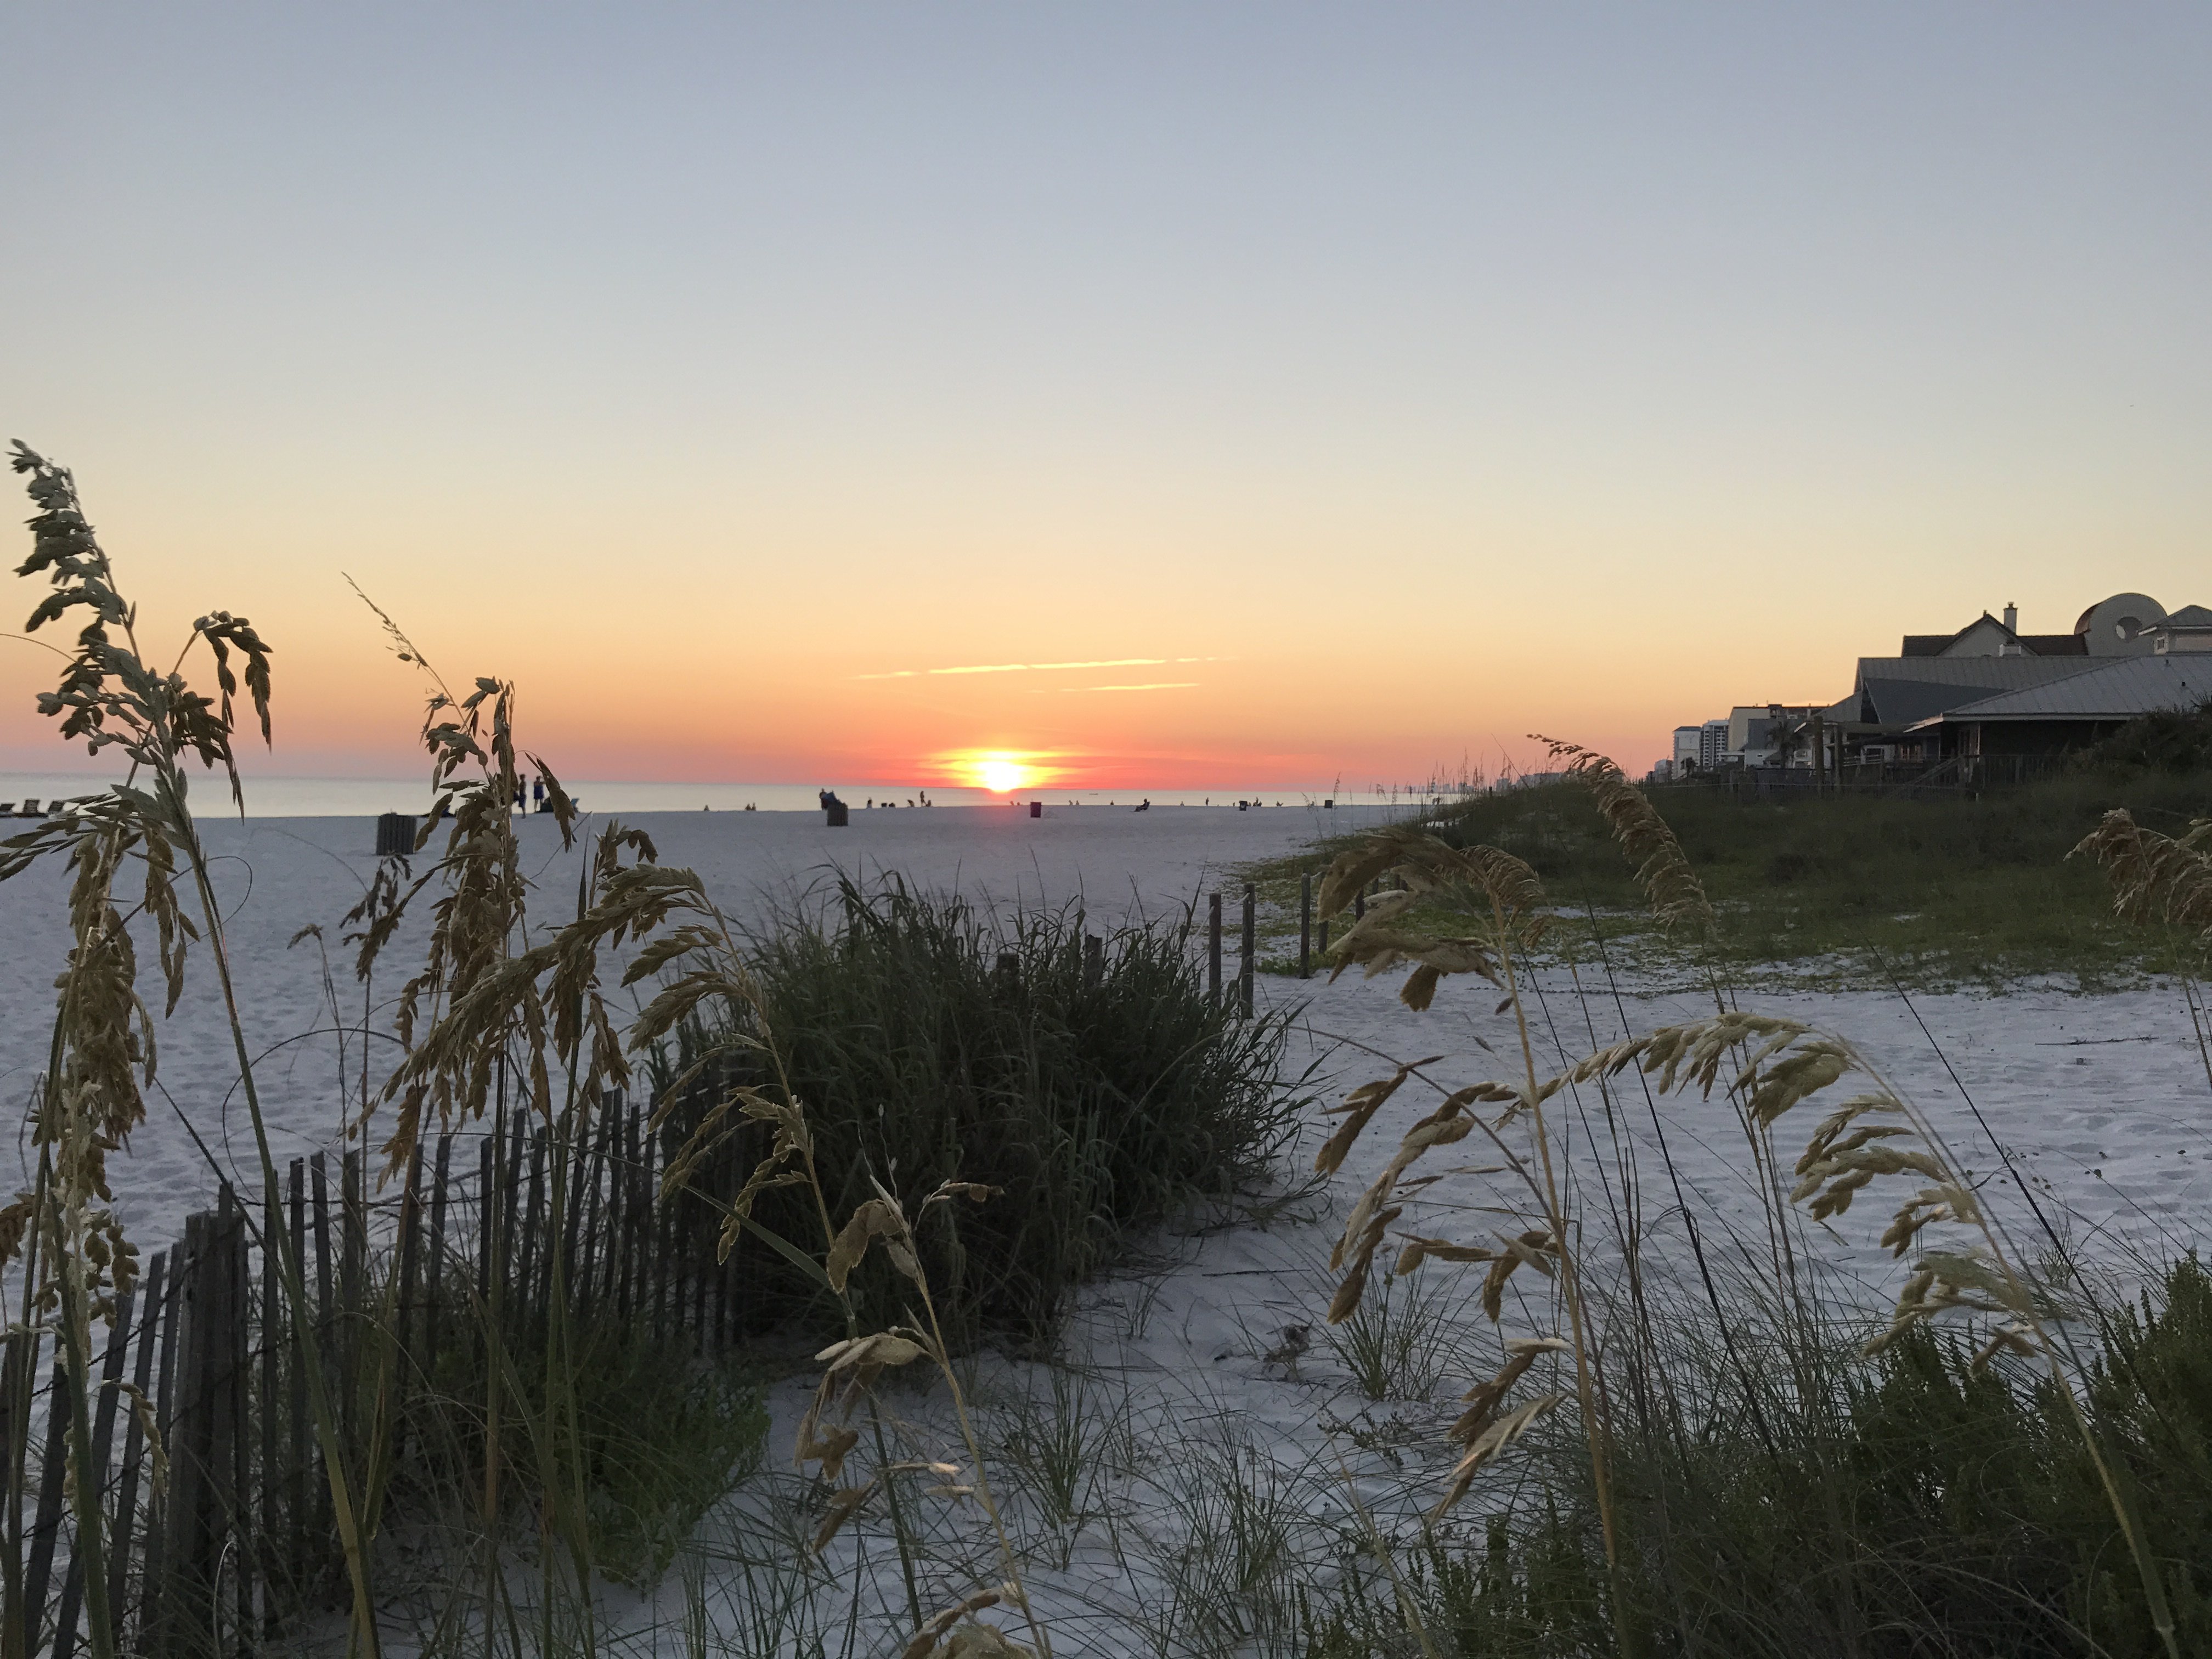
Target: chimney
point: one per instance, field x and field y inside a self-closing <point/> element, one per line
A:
<point x="2012" y="617"/>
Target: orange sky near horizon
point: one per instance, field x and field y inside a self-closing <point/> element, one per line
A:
<point x="732" y="662"/>
<point x="1369" y="388"/>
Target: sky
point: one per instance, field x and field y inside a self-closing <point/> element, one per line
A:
<point x="1271" y="393"/>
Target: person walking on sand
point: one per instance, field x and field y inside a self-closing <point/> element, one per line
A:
<point x="537" y="793"/>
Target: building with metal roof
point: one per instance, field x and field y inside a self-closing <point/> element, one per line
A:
<point x="2071" y="710"/>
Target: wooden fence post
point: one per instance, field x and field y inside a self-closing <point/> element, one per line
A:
<point x="1094" y="962"/>
<point x="1305" y="925"/>
<point x="1213" y="948"/>
<point x="205" y="1440"/>
<point x="1248" y="964"/>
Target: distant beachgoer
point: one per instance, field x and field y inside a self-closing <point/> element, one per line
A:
<point x="1144" y="805"/>
<point x="537" y="793"/>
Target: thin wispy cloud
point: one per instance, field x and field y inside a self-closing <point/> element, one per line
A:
<point x="1036" y="668"/>
<point x="1079" y="690"/>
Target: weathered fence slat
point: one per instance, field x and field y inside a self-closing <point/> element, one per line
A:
<point x="301" y="1474"/>
<point x="435" y="1285"/>
<point x="1305" y="925"/>
<point x="319" y="1178"/>
<point x="1213" y="948"/>
<point x="46" y="1524"/>
<point x="1249" y="956"/>
<point x="487" y="1154"/>
<point x="411" y="1228"/>
<point x="157" y="1531"/>
<point x="103" y="1442"/>
<point x="17" y="1352"/>
<point x="526" y="1277"/>
<point x="268" y="1345"/>
<point x="134" y="1437"/>
<point x="510" y="1197"/>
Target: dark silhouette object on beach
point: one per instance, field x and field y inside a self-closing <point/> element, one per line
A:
<point x="838" y="812"/>
<point x="1144" y="805"/>
<point x="538" y="793"/>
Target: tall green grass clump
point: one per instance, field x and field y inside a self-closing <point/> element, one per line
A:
<point x="932" y="1041"/>
<point x="1912" y="1504"/>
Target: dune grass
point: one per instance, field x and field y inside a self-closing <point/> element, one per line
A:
<point x="933" y="1041"/>
<point x="1908" y="1505"/>
<point x="1846" y="890"/>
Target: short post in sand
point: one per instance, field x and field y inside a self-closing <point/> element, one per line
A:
<point x="1213" y="948"/>
<point x="1305" y="925"/>
<point x="1251" y="951"/>
<point x="1094" y="961"/>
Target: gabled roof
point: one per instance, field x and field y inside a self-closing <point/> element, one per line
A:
<point x="2190" y="616"/>
<point x="1902" y="690"/>
<point x="2038" y="645"/>
<point x="2116" y="691"/>
<point x="1997" y="673"/>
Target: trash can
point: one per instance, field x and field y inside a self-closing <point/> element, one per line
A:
<point x="1036" y="809"/>
<point x="838" y="811"/>
<point x="395" y="835"/>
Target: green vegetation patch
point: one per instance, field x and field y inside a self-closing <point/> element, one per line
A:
<point x="1964" y="890"/>
<point x="929" y="1042"/>
<point x="1913" y="1505"/>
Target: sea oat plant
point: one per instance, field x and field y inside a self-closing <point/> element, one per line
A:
<point x="1768" y="1067"/>
<point x="2163" y="880"/>
<point x="110" y="696"/>
<point x="487" y="999"/>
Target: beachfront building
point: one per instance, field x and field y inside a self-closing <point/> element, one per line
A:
<point x="1986" y="689"/>
<point x="2071" y="712"/>
<point x="1915" y="706"/>
<point x="1685" y="758"/>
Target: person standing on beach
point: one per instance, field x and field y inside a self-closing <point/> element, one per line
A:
<point x="537" y="793"/>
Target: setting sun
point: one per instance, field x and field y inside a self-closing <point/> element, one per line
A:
<point x="1000" y="775"/>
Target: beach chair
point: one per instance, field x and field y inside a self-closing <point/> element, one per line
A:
<point x="30" y="810"/>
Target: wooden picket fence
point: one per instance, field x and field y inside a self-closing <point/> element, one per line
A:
<point x="240" y="1545"/>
